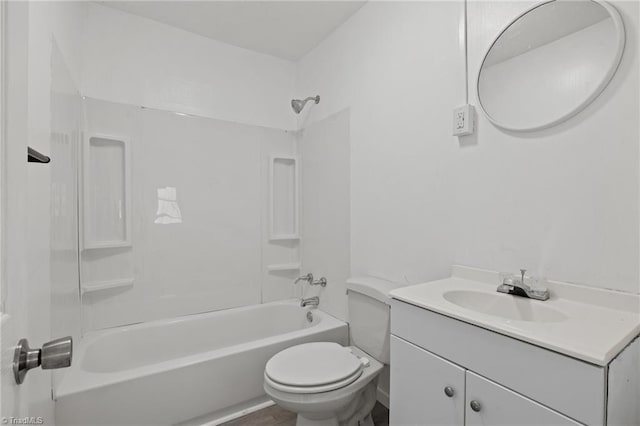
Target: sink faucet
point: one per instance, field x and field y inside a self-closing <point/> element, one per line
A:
<point x="518" y="287"/>
<point x="310" y="301"/>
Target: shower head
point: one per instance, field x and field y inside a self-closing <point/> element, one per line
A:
<point x="298" y="104"/>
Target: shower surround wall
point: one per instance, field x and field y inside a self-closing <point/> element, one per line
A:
<point x="199" y="190"/>
<point x="54" y="30"/>
<point x="66" y="136"/>
<point x="325" y="157"/>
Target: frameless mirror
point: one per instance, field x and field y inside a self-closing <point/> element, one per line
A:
<point x="550" y="63"/>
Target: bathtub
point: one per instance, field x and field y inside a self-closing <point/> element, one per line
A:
<point x="192" y="370"/>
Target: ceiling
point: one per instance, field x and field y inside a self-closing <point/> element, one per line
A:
<point x="286" y="29"/>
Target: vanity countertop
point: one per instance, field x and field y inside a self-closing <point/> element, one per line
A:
<point x="586" y="323"/>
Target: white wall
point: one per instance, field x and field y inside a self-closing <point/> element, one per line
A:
<point x="562" y="202"/>
<point x="399" y="69"/>
<point x="137" y="61"/>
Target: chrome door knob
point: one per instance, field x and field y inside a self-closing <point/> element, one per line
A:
<point x="54" y="354"/>
<point x="57" y="353"/>
<point x="475" y="406"/>
<point x="449" y="391"/>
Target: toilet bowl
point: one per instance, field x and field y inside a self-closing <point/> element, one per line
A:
<point x="332" y="385"/>
<point x="324" y="382"/>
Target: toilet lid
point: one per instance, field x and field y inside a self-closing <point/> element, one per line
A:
<point x="313" y="364"/>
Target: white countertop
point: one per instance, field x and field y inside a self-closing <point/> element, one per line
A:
<point x="598" y="323"/>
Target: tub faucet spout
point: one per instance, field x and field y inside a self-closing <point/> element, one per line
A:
<point x="310" y="301"/>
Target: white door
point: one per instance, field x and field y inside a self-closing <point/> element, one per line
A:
<point x="489" y="404"/>
<point x="24" y="302"/>
<point x="425" y="389"/>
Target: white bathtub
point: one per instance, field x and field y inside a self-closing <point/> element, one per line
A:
<point x="196" y="369"/>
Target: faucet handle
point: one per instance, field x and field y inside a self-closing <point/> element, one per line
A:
<point x="308" y="278"/>
<point x="506" y="278"/>
<point x="321" y="282"/>
<point x="522" y="272"/>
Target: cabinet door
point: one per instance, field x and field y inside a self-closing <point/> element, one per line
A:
<point x="489" y="404"/>
<point x="418" y="382"/>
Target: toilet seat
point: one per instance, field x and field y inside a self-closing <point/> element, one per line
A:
<point x="313" y="368"/>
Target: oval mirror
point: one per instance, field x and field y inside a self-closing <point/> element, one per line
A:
<point x="550" y="63"/>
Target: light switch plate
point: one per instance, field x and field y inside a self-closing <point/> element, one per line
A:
<point x="463" y="120"/>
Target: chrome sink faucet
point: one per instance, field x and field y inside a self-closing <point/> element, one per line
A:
<point x="518" y="287"/>
<point x="310" y="301"/>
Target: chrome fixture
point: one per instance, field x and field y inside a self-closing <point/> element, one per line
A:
<point x="308" y="278"/>
<point x="309" y="316"/>
<point x="322" y="282"/>
<point x="518" y="287"/>
<point x="449" y="391"/>
<point x="298" y="104"/>
<point x="475" y="406"/>
<point x="54" y="354"/>
<point x="310" y="301"/>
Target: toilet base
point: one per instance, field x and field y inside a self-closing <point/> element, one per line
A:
<point x="357" y="413"/>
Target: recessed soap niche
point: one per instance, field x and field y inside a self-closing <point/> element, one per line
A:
<point x="107" y="192"/>
<point x="284" y="198"/>
<point x="106" y="211"/>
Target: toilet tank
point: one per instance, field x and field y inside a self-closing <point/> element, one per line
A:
<point x="369" y="315"/>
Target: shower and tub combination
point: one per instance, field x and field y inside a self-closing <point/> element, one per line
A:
<point x="205" y="362"/>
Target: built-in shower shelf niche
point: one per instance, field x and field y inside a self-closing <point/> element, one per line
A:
<point x="284" y="267"/>
<point x="91" y="287"/>
<point x="107" y="192"/>
<point x="284" y="198"/>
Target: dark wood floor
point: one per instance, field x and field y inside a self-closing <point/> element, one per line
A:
<point x="276" y="416"/>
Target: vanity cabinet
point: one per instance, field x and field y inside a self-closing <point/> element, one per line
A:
<point x="429" y="390"/>
<point x="514" y="382"/>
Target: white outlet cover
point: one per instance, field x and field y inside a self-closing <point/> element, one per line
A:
<point x="463" y="120"/>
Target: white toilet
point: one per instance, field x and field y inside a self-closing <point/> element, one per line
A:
<point x="329" y="384"/>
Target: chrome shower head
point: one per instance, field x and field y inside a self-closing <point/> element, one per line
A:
<point x="298" y="104"/>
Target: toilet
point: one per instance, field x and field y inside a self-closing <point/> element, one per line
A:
<point x="329" y="384"/>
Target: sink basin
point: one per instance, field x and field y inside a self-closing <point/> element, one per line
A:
<point x="504" y="306"/>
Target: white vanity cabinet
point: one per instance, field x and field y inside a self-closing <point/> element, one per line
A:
<point x="429" y="390"/>
<point x="513" y="382"/>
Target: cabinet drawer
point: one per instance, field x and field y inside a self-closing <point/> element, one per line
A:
<point x="418" y="382"/>
<point x="567" y="385"/>
<point x="499" y="406"/>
